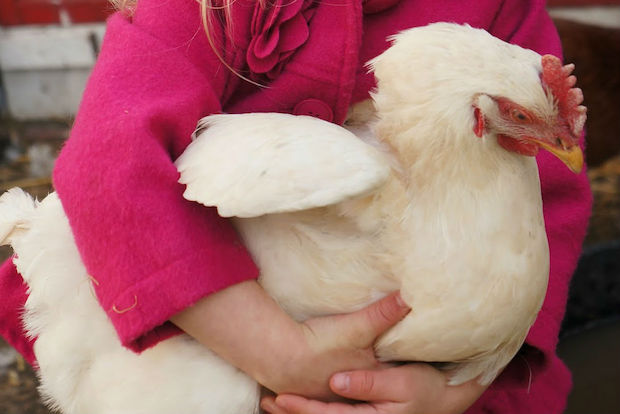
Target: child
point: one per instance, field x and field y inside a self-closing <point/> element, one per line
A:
<point x="158" y="258"/>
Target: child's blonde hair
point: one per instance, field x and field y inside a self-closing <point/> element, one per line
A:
<point x="207" y="8"/>
<point x="125" y="6"/>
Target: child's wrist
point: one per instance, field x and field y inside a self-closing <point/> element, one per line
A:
<point x="256" y="336"/>
<point x="282" y="361"/>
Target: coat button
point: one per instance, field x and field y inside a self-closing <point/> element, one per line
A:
<point x="315" y="108"/>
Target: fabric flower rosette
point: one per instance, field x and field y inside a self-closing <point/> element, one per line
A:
<point x="278" y="29"/>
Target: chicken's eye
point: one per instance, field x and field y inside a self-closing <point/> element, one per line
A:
<point x="519" y="116"/>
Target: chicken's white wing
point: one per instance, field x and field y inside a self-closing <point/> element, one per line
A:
<point x="248" y="165"/>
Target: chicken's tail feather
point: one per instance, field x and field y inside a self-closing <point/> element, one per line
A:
<point x="485" y="367"/>
<point x="459" y="373"/>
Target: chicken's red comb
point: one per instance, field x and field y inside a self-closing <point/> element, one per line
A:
<point x="561" y="83"/>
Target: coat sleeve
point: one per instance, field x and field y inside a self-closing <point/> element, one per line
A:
<point x="150" y="252"/>
<point x="537" y="381"/>
<point x="13" y="294"/>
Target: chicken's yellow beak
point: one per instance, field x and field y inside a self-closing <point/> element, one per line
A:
<point x="572" y="156"/>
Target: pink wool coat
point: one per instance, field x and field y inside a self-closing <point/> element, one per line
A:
<point x="153" y="253"/>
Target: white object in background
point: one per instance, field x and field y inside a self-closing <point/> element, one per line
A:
<point x="45" y="68"/>
<point x="604" y="16"/>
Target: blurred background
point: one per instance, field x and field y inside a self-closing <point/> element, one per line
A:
<point x="47" y="48"/>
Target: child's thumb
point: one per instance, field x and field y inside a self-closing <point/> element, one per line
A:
<point x="372" y="321"/>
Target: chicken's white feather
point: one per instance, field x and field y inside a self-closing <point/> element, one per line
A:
<point x="254" y="164"/>
<point x="16" y="207"/>
<point x="82" y="365"/>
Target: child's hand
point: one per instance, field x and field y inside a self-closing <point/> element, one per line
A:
<point x="407" y="389"/>
<point x="245" y="326"/>
<point x="335" y="343"/>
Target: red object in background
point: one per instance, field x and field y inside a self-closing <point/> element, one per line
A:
<point x="85" y="11"/>
<point x="14" y="12"/>
<point x="22" y="12"/>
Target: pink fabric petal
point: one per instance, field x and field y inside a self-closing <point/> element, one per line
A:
<point x="262" y="64"/>
<point x="266" y="43"/>
<point x="294" y="33"/>
<point x="257" y="20"/>
<point x="289" y="10"/>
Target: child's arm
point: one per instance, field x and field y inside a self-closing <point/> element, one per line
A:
<point x="150" y="252"/>
<point x="246" y="327"/>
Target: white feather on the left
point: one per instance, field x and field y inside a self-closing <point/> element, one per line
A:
<point x="16" y="208"/>
<point x="82" y="365"/>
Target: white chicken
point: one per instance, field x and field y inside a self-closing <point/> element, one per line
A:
<point x="431" y="189"/>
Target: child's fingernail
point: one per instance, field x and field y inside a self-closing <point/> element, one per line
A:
<point x="341" y="382"/>
<point x="268" y="405"/>
<point x="281" y="402"/>
<point x="401" y="302"/>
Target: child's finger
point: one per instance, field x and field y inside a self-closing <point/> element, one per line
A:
<point x="392" y="384"/>
<point x="368" y="323"/>
<point x="417" y="386"/>
<point x="268" y="405"/>
<point x="294" y="404"/>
